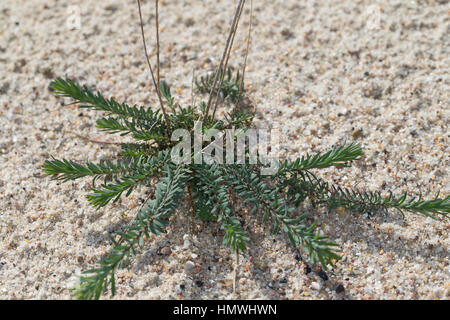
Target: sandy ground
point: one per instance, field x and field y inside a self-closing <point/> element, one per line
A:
<point x="375" y="72"/>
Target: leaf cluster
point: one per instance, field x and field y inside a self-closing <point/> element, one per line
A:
<point x="230" y="84"/>
<point x="274" y="200"/>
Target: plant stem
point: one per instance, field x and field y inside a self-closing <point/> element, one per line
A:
<point x="191" y="207"/>
<point x="227" y="56"/>
<point x="91" y="140"/>
<point x="157" y="47"/>
<point x="241" y="85"/>
<point x="235" y="272"/>
<point x="151" y="70"/>
<point x="225" y="52"/>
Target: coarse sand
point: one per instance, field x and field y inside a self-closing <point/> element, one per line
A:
<point x="322" y="71"/>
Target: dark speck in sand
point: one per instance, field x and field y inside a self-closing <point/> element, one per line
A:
<point x="340" y="288"/>
<point x="307" y="269"/>
<point x="323" y="275"/>
<point x="199" y="283"/>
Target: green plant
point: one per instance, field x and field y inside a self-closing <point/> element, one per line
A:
<point x="230" y="87"/>
<point x="209" y="188"/>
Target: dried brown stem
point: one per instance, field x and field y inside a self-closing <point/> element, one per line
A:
<point x="157" y="46"/>
<point x="191" y="209"/>
<point x="151" y="69"/>
<point x="236" y="273"/>
<point x="234" y="29"/>
<point x="92" y="140"/>
<point x="224" y="57"/>
<point x="241" y="85"/>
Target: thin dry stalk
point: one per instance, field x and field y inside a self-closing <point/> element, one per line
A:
<point x="191" y="217"/>
<point x="234" y="30"/>
<point x="236" y="273"/>
<point x="192" y="87"/>
<point x="220" y="68"/>
<point x="92" y="140"/>
<point x="241" y="3"/>
<point x="241" y="85"/>
<point x="151" y="69"/>
<point x="157" y="47"/>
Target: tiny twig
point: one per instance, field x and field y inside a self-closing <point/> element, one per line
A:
<point x="191" y="205"/>
<point x="91" y="140"/>
<point x="192" y="87"/>
<point x="235" y="272"/>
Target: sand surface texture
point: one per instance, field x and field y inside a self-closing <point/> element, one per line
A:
<point x="324" y="72"/>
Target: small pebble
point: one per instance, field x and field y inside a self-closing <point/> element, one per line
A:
<point x="322" y="275"/>
<point x="4" y="88"/>
<point x="199" y="283"/>
<point x="316" y="286"/>
<point x="180" y="288"/>
<point x="287" y="34"/>
<point x="190" y="267"/>
<point x="307" y="269"/>
<point x="340" y="289"/>
<point x="374" y="91"/>
<point x="166" y="251"/>
<point x="357" y="133"/>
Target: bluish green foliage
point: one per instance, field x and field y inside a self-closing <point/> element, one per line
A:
<point x="273" y="199"/>
<point x="230" y="85"/>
